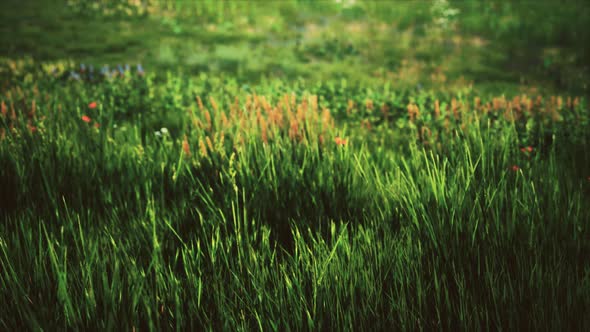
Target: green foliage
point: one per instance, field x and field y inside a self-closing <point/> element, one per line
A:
<point x="119" y="227"/>
<point x="294" y="165"/>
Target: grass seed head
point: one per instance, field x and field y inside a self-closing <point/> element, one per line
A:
<point x="436" y="109"/>
<point x="202" y="148"/>
<point x="209" y="143"/>
<point x="186" y="147"/>
<point x="208" y="120"/>
<point x="33" y="111"/>
<point x="294" y="130"/>
<point x="200" y="103"/>
<point x="314" y="103"/>
<point x="213" y="104"/>
<point x="349" y="107"/>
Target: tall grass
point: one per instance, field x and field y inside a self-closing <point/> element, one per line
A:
<point x="279" y="210"/>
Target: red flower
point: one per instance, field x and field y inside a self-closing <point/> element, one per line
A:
<point x="32" y="128"/>
<point x="515" y="168"/>
<point x="527" y="149"/>
<point x="92" y="105"/>
<point x="96" y="125"/>
<point x="86" y="118"/>
<point x="339" y="141"/>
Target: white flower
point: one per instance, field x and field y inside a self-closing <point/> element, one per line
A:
<point x="164" y="131"/>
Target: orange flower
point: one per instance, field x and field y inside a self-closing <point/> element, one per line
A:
<point x="515" y="168"/>
<point x="92" y="105"/>
<point x="86" y="118"/>
<point x="527" y="149"/>
<point x="340" y="141"/>
<point x="32" y="128"/>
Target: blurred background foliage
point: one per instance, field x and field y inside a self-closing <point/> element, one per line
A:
<point x="493" y="45"/>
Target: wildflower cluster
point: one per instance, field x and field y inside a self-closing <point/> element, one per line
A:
<point x="257" y="119"/>
<point x="89" y="74"/>
<point x="441" y="121"/>
<point x="14" y="119"/>
<point x="162" y="133"/>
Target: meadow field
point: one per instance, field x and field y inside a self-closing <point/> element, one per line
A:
<point x="294" y="165"/>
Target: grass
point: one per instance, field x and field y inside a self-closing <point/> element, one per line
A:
<point x="220" y="196"/>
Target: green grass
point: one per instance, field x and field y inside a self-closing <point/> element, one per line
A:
<point x="303" y="181"/>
